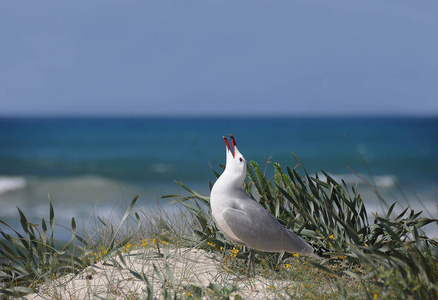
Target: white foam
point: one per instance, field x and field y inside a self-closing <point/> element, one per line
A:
<point x="9" y="183"/>
<point x="161" y="168"/>
<point x="385" y="181"/>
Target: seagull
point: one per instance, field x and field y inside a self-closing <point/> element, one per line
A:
<point x="243" y="220"/>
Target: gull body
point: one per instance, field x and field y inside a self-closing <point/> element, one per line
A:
<point x="243" y="220"/>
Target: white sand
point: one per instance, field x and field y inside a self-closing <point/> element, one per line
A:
<point x="177" y="269"/>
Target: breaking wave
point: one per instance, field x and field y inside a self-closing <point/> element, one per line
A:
<point x="10" y="183"/>
<point x="384" y="181"/>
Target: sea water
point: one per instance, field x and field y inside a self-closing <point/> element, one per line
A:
<point x="91" y="166"/>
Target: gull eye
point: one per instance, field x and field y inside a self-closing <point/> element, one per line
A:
<point x="241" y="159"/>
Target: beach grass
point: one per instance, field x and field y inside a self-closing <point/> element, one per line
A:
<point x="154" y="253"/>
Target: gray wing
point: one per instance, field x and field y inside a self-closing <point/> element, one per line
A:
<point x="259" y="230"/>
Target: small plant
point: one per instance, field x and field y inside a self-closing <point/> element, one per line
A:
<point x="223" y="292"/>
<point x="194" y="292"/>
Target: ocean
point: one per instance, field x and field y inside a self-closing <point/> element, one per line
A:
<point x="92" y="166"/>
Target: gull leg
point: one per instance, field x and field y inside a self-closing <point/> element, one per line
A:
<point x="250" y="260"/>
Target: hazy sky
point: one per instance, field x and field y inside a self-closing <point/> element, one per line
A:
<point x="218" y="57"/>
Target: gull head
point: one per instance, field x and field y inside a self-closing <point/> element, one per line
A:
<point x="235" y="168"/>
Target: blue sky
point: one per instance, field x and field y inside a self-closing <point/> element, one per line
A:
<point x="219" y="57"/>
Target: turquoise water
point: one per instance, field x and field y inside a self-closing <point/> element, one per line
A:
<point x="83" y="161"/>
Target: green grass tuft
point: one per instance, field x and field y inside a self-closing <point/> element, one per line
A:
<point x="369" y="256"/>
<point x="34" y="257"/>
<point x="389" y="254"/>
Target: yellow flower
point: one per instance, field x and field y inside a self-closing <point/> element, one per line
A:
<point x="271" y="287"/>
<point x="54" y="275"/>
<point x="154" y="241"/>
<point x="287" y="266"/>
<point x="164" y="242"/>
<point x="375" y="295"/>
<point x="234" y="252"/>
<point x="188" y="294"/>
<point x="331" y="236"/>
<point x="145" y="242"/>
<point x="127" y="246"/>
<point x="295" y="254"/>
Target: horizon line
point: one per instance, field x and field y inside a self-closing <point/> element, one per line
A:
<point x="222" y="115"/>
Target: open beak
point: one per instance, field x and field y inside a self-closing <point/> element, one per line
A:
<point x="233" y="144"/>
